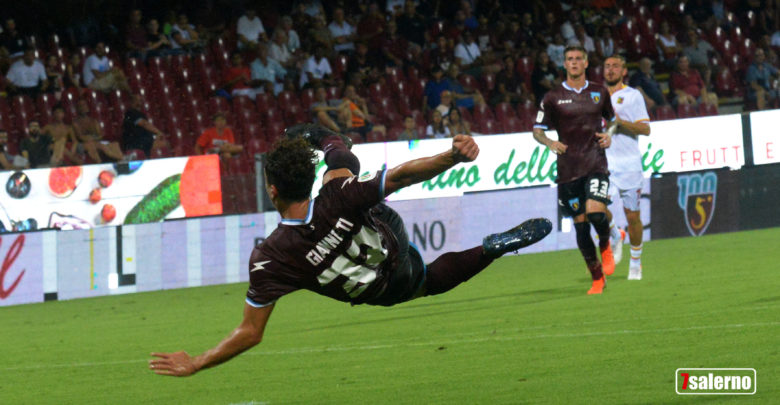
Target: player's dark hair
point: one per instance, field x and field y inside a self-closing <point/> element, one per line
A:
<point x="571" y="48"/>
<point x="290" y="166"/>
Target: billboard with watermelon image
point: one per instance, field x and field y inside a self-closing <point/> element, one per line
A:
<point x="82" y="197"/>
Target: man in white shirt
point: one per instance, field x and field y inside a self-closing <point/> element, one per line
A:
<point x="183" y="34"/>
<point x="467" y="51"/>
<point x="279" y="50"/>
<point x="267" y="72"/>
<point x="315" y="69"/>
<point x="625" y="160"/>
<point x="98" y="73"/>
<point x="27" y="76"/>
<point x="293" y="40"/>
<point x="342" y="32"/>
<point x="250" y="30"/>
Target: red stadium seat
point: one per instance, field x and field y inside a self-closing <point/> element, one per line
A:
<point x="512" y="124"/>
<point x="489" y="82"/>
<point x="274" y="130"/>
<point x="596" y="73"/>
<point x="333" y="93"/>
<point x="492" y="127"/>
<point x="706" y="110"/>
<point x="377" y="91"/>
<point x="504" y="111"/>
<point x="686" y="111"/>
<point x="482" y="112"/>
<point x="465" y="114"/>
<point x="287" y="98"/>
<point x="725" y="85"/>
<point x="664" y="112"/>
<point x="307" y="97"/>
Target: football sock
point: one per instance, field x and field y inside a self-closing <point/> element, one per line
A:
<point x="599" y="221"/>
<point x="451" y="269"/>
<point x="338" y="156"/>
<point x="614" y="231"/>
<point x="636" y="254"/>
<point x="588" y="249"/>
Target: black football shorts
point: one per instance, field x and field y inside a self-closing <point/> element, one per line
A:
<point x="572" y="195"/>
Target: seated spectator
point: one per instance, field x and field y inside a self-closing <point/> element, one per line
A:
<point x="510" y="87"/>
<point x="433" y="89"/>
<point x="410" y="130"/>
<point x="72" y="74"/>
<point x="446" y="105"/>
<point x="698" y="52"/>
<point x="393" y="46"/>
<point x="267" y="73"/>
<point x="668" y="46"/>
<point x="280" y="52"/>
<point x="61" y="135"/>
<point x="184" y="35"/>
<point x="372" y="26"/>
<point x="582" y="39"/>
<point x="457" y="125"/>
<point x="328" y="113"/>
<point x="250" y="30"/>
<point x="605" y="45"/>
<point x="395" y="8"/>
<point x="12" y="40"/>
<point x="361" y="67"/>
<point x="7" y="160"/>
<point x="343" y="33"/>
<point x="90" y="135"/>
<point x="442" y="56"/>
<point x="36" y="147"/>
<point x="567" y="28"/>
<point x="437" y="129"/>
<point x="468" y="56"/>
<point x="137" y="131"/>
<point x="545" y="76"/>
<point x="357" y="119"/>
<point x="293" y="40"/>
<point x="99" y="75"/>
<point x="157" y="44"/>
<point x="316" y="70"/>
<point x="688" y="85"/>
<point x="54" y="75"/>
<point x="644" y="81"/>
<point x="238" y="78"/>
<point x="218" y="139"/>
<point x="411" y="25"/>
<point x="135" y="35"/>
<point x="463" y="96"/>
<point x="555" y="50"/>
<point x="27" y="76"/>
<point x="321" y="36"/>
<point x="759" y="79"/>
<point x="312" y="8"/>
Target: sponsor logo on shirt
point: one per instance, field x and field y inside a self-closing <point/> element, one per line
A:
<point x="564" y="101"/>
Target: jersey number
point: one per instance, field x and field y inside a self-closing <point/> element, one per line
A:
<point x="599" y="188"/>
<point x="368" y="244"/>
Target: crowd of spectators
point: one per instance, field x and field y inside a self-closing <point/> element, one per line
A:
<point x="377" y="70"/>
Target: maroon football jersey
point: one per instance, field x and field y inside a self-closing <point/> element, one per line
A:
<point x="576" y="115"/>
<point x="339" y="250"/>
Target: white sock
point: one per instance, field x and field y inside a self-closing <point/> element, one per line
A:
<point x="636" y="254"/>
<point x="614" y="231"/>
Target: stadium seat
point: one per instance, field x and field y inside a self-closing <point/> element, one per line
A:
<point x="525" y="66"/>
<point x="482" y="112"/>
<point x="393" y="75"/>
<point x="242" y="103"/>
<point x="488" y="82"/>
<point x="333" y="93"/>
<point x="664" y="112"/>
<point x="377" y="91"/>
<point x="706" y="110"/>
<point x="339" y="65"/>
<point x="504" y="111"/>
<point x="274" y="130"/>
<point x="287" y="98"/>
<point x="596" y="73"/>
<point x="264" y="101"/>
<point x="465" y="114"/>
<point x="307" y="97"/>
<point x="492" y="127"/>
<point x="686" y="111"/>
<point x="468" y="81"/>
<point x="512" y="124"/>
<point x="725" y="85"/>
<point x="294" y="114"/>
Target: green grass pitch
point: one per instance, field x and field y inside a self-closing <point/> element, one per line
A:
<point x="523" y="331"/>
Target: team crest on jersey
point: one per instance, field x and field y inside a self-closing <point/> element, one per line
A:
<point x="620" y="100"/>
<point x="595" y="96"/>
<point x="697" y="199"/>
<point x="574" y="203"/>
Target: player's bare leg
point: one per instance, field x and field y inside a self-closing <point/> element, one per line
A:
<point x="596" y="212"/>
<point x="635" y="230"/>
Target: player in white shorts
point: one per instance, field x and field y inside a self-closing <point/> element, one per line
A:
<point x="625" y="160"/>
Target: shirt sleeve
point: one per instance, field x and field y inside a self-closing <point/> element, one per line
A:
<point x="204" y="140"/>
<point x="544" y="115"/>
<point x="639" y="109"/>
<point x="229" y="135"/>
<point x="361" y="192"/>
<point x="269" y="280"/>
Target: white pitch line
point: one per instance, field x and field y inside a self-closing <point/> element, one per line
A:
<point x="304" y="350"/>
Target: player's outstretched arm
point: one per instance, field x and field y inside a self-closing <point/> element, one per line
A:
<point x="464" y="149"/>
<point x="248" y="334"/>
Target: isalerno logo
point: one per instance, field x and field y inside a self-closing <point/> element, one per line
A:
<point x="715" y="381"/>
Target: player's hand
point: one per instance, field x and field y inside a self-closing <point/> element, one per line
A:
<point x="177" y="364"/>
<point x="558" y="148"/>
<point x="464" y="148"/>
<point x="604" y="140"/>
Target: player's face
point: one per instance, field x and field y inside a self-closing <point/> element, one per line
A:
<point x="613" y="71"/>
<point x="575" y="64"/>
